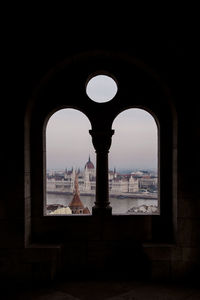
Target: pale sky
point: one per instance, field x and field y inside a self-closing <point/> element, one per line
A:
<point x="101" y="88"/>
<point x="134" y="144"/>
<point x="68" y="142"/>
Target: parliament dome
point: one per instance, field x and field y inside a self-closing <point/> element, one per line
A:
<point x="89" y="164"/>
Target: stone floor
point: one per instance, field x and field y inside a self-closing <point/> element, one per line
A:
<point x="102" y="290"/>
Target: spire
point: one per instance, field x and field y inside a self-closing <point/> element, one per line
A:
<point x="76" y="204"/>
<point x="76" y="187"/>
<point x="89" y="158"/>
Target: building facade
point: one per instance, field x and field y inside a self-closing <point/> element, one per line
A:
<point x="118" y="183"/>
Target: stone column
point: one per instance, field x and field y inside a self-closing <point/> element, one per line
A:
<point x="102" y="141"/>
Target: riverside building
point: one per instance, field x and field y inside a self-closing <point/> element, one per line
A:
<point x="135" y="182"/>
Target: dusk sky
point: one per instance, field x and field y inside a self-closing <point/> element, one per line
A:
<point x="134" y="144"/>
<point x="68" y="142"/>
<point x="101" y="88"/>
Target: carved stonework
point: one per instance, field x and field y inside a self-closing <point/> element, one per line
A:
<point x="102" y="142"/>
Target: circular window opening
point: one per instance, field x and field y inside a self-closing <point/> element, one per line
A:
<point x="101" y="88"/>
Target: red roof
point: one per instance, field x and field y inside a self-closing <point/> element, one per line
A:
<point x="76" y="202"/>
<point x="86" y="211"/>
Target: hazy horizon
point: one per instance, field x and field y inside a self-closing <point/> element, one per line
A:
<point x="134" y="144"/>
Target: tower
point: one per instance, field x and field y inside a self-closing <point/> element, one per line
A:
<point x="76" y="204"/>
<point x="89" y="174"/>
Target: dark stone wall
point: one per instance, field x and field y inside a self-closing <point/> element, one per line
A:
<point x="105" y="246"/>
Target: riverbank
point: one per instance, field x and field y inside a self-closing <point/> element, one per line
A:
<point x="152" y="196"/>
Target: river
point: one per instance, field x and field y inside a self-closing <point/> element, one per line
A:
<point x="119" y="206"/>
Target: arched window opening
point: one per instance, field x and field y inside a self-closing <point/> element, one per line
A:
<point x="133" y="164"/>
<point x="70" y="169"/>
<point x="65" y="90"/>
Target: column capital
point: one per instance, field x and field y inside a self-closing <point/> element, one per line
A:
<point x="101" y="139"/>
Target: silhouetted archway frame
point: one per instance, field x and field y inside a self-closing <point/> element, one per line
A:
<point x="64" y="87"/>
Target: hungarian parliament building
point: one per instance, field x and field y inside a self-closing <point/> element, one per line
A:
<point x="119" y="184"/>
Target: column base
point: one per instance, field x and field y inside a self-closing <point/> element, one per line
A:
<point x="102" y="211"/>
